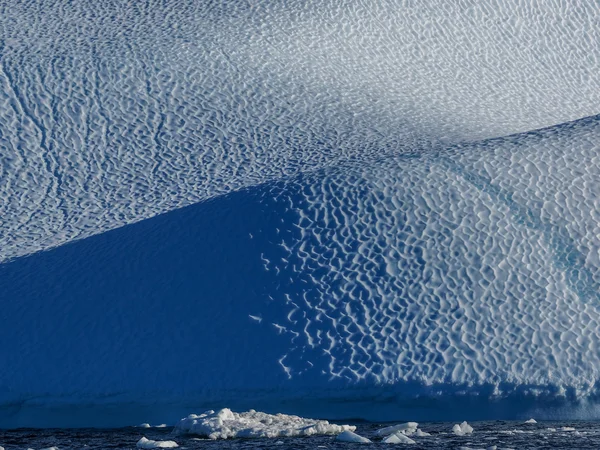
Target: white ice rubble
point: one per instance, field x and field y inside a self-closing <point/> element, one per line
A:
<point x="462" y="429"/>
<point x="149" y="443"/>
<point x="224" y="424"/>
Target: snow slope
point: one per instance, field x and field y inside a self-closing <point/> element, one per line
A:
<point x="113" y="112"/>
<point x="355" y="242"/>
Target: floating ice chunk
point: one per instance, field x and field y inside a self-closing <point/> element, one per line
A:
<point x="349" y="436"/>
<point x="398" y="438"/>
<point x="51" y="448"/>
<point x="462" y="429"/>
<point x="531" y="421"/>
<point x="148" y="443"/>
<point x="225" y="424"/>
<point x="552" y="430"/>
<point x="144" y="425"/>
<point x="408" y="427"/>
<point x="567" y="429"/>
<point x="421" y="433"/>
<point x="162" y="425"/>
<point x="1" y="448"/>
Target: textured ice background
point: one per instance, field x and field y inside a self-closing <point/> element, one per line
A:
<point x="113" y="112"/>
<point x="372" y="229"/>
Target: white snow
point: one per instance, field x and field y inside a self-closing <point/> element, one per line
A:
<point x="224" y="424"/>
<point x="462" y="429"/>
<point x="398" y="438"/>
<point x="531" y="421"/>
<point x="349" y="436"/>
<point x="148" y="443"/>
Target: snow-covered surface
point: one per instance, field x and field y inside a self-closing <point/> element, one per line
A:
<point x="170" y="105"/>
<point x="149" y="443"/>
<point x="531" y="421"/>
<point x="380" y="238"/>
<point x="462" y="429"/>
<point x="349" y="436"/>
<point x="225" y="424"/>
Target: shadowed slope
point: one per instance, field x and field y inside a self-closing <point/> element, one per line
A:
<point x="425" y="285"/>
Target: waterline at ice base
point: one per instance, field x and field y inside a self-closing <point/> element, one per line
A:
<point x="300" y="209"/>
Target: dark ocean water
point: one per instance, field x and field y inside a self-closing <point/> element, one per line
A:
<point x="516" y="435"/>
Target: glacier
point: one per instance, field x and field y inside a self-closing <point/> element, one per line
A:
<point x="333" y="209"/>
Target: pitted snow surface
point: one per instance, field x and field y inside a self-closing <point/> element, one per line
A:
<point x="476" y="265"/>
<point x="113" y="112"/>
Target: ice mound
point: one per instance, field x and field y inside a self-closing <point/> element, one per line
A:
<point x="532" y="421"/>
<point x="349" y="436"/>
<point x="225" y="424"/>
<point x="148" y="443"/>
<point x="462" y="429"/>
<point x="398" y="438"/>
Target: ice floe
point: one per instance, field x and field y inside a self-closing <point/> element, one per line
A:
<point x="408" y="427"/>
<point x="349" y="436"/>
<point x="398" y="438"/>
<point x="224" y="424"/>
<point x="149" y="443"/>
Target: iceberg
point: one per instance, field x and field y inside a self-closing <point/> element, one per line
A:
<point x="372" y="211"/>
